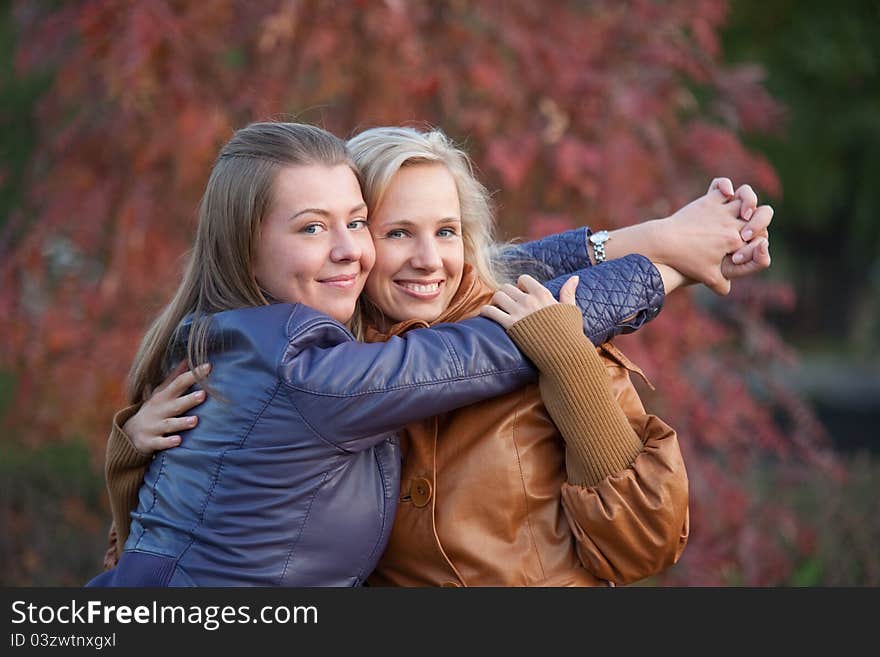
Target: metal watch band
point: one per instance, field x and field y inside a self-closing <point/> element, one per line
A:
<point x="598" y="240"/>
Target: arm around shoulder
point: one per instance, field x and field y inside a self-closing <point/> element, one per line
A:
<point x="357" y="392"/>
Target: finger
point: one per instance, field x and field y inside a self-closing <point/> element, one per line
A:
<point x="535" y="290"/>
<point x="527" y="283"/>
<point x="732" y="207"/>
<point x="180" y="384"/>
<point x="567" y="293"/>
<point x="732" y="272"/>
<point x="758" y="247"/>
<point x="502" y="301"/>
<point x="744" y="254"/>
<point x="172" y="425"/>
<point x="722" y="287"/>
<point x="156" y="444"/>
<point x="722" y="187"/>
<point x="749" y="199"/>
<point x="202" y="370"/>
<point x="759" y="223"/>
<point x="717" y="282"/>
<point x="758" y="261"/>
<point x="744" y="228"/>
<point x="172" y="375"/>
<point x="497" y="315"/>
<point x="761" y="255"/>
<point x="181" y="405"/>
<point x="164" y="442"/>
<point x="513" y="292"/>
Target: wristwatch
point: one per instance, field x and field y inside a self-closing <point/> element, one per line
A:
<point x="598" y="240"/>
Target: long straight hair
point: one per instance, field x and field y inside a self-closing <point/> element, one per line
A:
<point x="219" y="273"/>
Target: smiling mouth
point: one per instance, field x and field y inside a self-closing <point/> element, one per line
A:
<point x="425" y="290"/>
<point x="343" y="282"/>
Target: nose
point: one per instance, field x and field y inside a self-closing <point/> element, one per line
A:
<point x="426" y="256"/>
<point x="346" y="248"/>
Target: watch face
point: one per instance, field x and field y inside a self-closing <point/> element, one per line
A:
<point x="599" y="237"/>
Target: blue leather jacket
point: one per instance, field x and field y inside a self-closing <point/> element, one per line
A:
<point x="292" y="475"/>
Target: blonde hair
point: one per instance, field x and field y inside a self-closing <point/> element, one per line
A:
<point x="220" y="272"/>
<point x="379" y="153"/>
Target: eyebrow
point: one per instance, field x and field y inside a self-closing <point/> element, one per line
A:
<point x="325" y="213"/>
<point x="407" y="222"/>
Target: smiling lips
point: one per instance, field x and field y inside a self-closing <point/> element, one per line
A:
<point x="424" y="290"/>
<point x="343" y="282"/>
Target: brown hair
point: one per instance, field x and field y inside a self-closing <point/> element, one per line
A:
<point x="220" y="273"/>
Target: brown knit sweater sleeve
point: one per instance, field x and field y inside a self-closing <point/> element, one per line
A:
<point x="575" y="389"/>
<point x="124" y="469"/>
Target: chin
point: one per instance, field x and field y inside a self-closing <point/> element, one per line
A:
<point x="341" y="315"/>
<point x="424" y="314"/>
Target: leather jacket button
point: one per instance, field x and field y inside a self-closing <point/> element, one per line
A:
<point x="420" y="491"/>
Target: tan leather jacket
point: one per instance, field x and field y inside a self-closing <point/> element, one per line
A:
<point x="485" y="502"/>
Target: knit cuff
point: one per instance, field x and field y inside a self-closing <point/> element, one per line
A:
<point x="124" y="469"/>
<point x="549" y="335"/>
<point x="575" y="390"/>
<point x="121" y="451"/>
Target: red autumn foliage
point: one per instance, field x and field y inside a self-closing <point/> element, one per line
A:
<point x="599" y="113"/>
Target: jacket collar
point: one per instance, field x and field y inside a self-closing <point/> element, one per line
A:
<point x="471" y="295"/>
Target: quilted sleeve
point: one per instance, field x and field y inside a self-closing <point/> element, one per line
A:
<point x="549" y="257"/>
<point x="618" y="296"/>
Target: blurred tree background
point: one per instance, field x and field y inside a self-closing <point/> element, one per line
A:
<point x="593" y="112"/>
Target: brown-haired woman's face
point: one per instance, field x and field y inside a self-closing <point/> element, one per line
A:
<point x="419" y="248"/>
<point x="314" y="245"/>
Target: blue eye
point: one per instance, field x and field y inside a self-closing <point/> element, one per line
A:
<point x="357" y="224"/>
<point x="396" y="234"/>
<point x="312" y="229"/>
<point x="446" y="232"/>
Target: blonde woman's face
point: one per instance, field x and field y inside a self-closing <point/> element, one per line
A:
<point x="314" y="245"/>
<point x="419" y="249"/>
